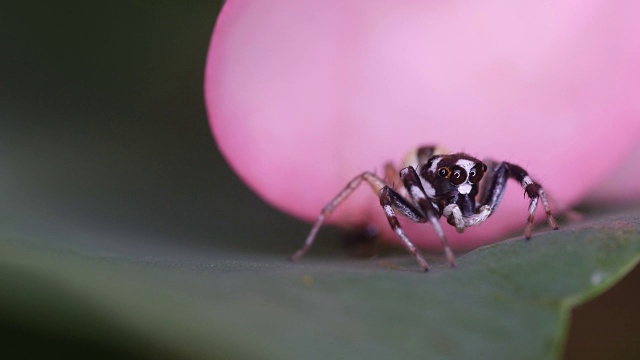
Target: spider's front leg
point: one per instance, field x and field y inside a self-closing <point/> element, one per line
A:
<point x="492" y="194"/>
<point x="389" y="199"/>
<point x="418" y="195"/>
<point x="420" y="210"/>
<point x="374" y="182"/>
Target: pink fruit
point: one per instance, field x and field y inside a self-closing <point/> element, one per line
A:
<point x="304" y="95"/>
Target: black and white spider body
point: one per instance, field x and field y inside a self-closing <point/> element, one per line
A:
<point x="463" y="189"/>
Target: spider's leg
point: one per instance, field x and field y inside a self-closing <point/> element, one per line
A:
<point x="534" y="191"/>
<point x="372" y="179"/>
<point x="419" y="197"/>
<point x="390" y="200"/>
<point x="393" y="179"/>
<point x="486" y="184"/>
<point x="495" y="182"/>
<point x="415" y="158"/>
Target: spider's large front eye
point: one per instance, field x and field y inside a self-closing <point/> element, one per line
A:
<point x="444" y="172"/>
<point x="476" y="173"/>
<point x="458" y="176"/>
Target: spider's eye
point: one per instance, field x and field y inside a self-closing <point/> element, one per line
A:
<point x="476" y="173"/>
<point x="444" y="172"/>
<point x="458" y="176"/>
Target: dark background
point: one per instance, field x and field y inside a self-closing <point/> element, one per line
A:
<point x="104" y="127"/>
<point x="105" y="146"/>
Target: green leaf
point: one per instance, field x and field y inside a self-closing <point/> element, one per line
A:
<point x="511" y="300"/>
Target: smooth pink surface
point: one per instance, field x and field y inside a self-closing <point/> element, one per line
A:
<point x="304" y="95"/>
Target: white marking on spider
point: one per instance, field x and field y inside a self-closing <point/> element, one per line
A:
<point x="417" y="193"/>
<point x="465" y="188"/>
<point x="436" y="226"/>
<point x="388" y="210"/>
<point x="526" y="181"/>
<point x="465" y="164"/>
<point x="434" y="164"/>
<point x="428" y="189"/>
<point x="533" y="205"/>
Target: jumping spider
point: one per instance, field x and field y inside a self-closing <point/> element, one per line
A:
<point x="463" y="189"/>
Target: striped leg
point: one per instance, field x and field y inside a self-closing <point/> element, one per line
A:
<point x="372" y="179"/>
<point x="413" y="185"/>
<point x="390" y="200"/>
<point x="534" y="191"/>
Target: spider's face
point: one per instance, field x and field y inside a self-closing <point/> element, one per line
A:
<point x="459" y="173"/>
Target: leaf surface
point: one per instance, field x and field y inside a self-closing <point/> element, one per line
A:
<point x="507" y="300"/>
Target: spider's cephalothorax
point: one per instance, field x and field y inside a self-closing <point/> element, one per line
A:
<point x="463" y="189"/>
<point x="452" y="179"/>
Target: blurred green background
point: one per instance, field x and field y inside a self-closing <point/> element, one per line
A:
<point x="105" y="151"/>
<point x="104" y="128"/>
